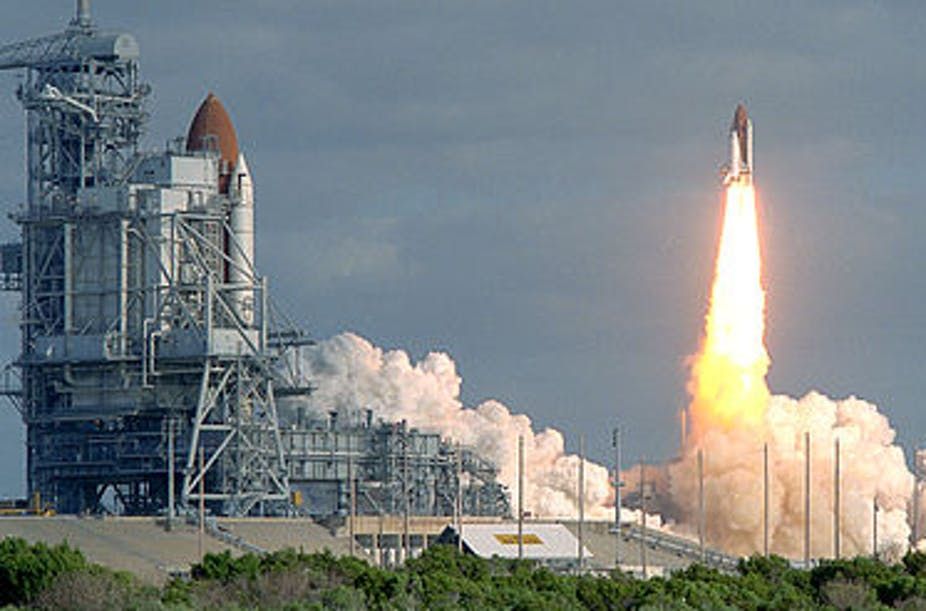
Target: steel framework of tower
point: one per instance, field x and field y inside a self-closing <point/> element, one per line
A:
<point x="149" y="342"/>
<point x="131" y="318"/>
<point x="393" y="469"/>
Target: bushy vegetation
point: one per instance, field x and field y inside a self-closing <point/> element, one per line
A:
<point x="443" y="579"/>
<point x="60" y="578"/>
<point x="26" y="570"/>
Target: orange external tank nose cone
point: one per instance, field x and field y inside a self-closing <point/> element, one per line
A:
<point x="212" y="130"/>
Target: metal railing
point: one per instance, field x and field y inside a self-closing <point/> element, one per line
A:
<point x="679" y="546"/>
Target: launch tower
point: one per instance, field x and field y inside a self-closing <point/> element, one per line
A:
<point x="152" y="359"/>
<point x="146" y="330"/>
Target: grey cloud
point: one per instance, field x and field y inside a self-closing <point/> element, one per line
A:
<point x="530" y="185"/>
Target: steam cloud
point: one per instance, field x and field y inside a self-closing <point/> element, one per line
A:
<point x="871" y="467"/>
<point x="352" y="374"/>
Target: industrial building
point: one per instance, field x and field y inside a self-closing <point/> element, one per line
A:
<point x="154" y="365"/>
<point x="548" y="543"/>
<point x="394" y="469"/>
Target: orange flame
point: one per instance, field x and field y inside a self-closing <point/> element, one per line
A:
<point x="727" y="383"/>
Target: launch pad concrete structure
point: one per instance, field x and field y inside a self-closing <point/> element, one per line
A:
<point x="154" y="371"/>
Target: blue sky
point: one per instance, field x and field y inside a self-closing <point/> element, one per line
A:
<point x="532" y="186"/>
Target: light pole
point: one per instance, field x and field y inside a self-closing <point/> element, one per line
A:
<point x="520" y="497"/>
<point x="642" y="518"/>
<point x="618" y="484"/>
<point x="765" y="494"/>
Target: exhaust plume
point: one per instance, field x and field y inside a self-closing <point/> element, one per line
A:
<point x="727" y="382"/>
<point x="872" y="467"/>
<point x="733" y="415"/>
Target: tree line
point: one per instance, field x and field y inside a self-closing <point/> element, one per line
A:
<point x="59" y="577"/>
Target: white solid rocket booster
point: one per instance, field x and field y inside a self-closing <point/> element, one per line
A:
<point x="740" y="168"/>
<point x="241" y="251"/>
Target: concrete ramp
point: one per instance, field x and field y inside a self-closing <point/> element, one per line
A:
<point x="138" y="545"/>
<point x="271" y="534"/>
<point x="144" y="547"/>
<point x="606" y="546"/>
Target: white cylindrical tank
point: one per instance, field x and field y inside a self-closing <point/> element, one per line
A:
<point x="735" y="161"/>
<point x="241" y="246"/>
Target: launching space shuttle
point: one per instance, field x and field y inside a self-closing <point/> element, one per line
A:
<point x="740" y="168"/>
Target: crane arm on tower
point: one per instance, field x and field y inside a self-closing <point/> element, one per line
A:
<point x="38" y="51"/>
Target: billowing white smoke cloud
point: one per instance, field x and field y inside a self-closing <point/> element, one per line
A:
<point x="871" y="467"/>
<point x="351" y="374"/>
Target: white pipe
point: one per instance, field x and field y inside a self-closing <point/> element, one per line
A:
<point x="123" y="286"/>
<point x="83" y="12"/>
<point x="68" y="278"/>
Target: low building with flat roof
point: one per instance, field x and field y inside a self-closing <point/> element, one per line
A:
<point x="548" y="543"/>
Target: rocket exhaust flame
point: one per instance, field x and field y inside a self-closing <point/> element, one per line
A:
<point x="727" y="383"/>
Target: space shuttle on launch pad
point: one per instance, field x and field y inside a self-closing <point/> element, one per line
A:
<point x="740" y="168"/>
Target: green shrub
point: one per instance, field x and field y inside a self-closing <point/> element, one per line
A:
<point x="96" y="588"/>
<point x="442" y="578"/>
<point x="26" y="570"/>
